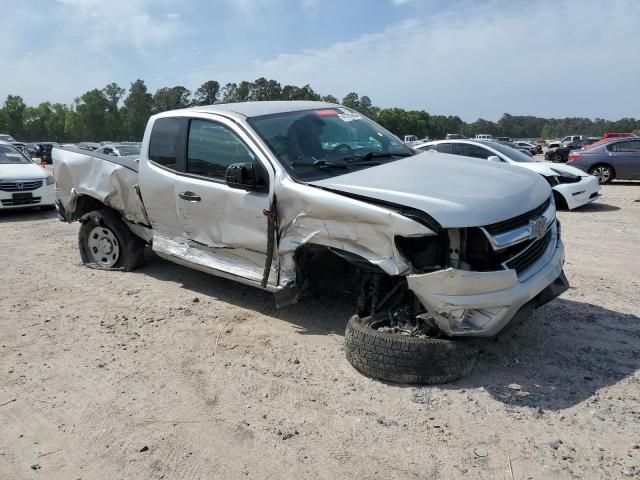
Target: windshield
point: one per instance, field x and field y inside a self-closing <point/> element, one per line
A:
<point x="129" y="150"/>
<point x="9" y="155"/>
<point x="323" y="143"/>
<point x="511" y="153"/>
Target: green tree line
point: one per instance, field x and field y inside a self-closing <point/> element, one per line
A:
<point x="115" y="113"/>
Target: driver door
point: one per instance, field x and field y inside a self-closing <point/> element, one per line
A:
<point x="225" y="227"/>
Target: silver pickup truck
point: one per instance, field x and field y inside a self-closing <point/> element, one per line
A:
<point x="300" y="197"/>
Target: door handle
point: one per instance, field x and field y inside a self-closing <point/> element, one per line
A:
<point x="189" y="196"/>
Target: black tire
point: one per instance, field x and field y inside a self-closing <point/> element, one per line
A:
<point x="556" y="158"/>
<point x="604" y="173"/>
<point x="404" y="359"/>
<point x="131" y="247"/>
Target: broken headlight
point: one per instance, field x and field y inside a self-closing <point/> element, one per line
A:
<point x="424" y="253"/>
<point x="562" y="177"/>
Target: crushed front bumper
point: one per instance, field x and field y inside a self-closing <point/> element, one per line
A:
<point x="579" y="193"/>
<point x="481" y="304"/>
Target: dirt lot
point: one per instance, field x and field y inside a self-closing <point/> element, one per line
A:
<point x="170" y="373"/>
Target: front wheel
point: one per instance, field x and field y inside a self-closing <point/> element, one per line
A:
<point x="105" y="242"/>
<point x="389" y="354"/>
<point x="604" y="173"/>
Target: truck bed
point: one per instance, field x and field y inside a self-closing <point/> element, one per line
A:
<point x="108" y="179"/>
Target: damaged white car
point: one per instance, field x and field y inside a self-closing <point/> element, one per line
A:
<point x="572" y="188"/>
<point x="295" y="197"/>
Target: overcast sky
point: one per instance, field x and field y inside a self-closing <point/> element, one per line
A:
<point x="460" y="57"/>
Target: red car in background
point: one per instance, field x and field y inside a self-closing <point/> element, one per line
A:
<point x="617" y="135"/>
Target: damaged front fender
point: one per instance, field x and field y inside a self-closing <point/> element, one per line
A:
<point x="310" y="215"/>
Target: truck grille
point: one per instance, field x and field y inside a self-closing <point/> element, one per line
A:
<point x="527" y="258"/>
<point x="520" y="220"/>
<point x="481" y="256"/>
<point x="20" y="186"/>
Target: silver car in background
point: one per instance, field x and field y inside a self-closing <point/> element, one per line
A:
<point x="609" y="160"/>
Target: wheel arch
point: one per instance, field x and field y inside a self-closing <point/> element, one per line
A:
<point x="320" y="266"/>
<point x="85" y="204"/>
<point x="561" y="201"/>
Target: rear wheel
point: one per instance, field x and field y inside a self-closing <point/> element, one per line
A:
<point x="556" y="157"/>
<point x="106" y="242"/>
<point x="604" y="173"/>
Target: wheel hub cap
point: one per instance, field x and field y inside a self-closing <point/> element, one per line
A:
<point x="106" y="246"/>
<point x="103" y="246"/>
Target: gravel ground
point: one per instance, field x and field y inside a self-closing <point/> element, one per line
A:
<point x="169" y="373"/>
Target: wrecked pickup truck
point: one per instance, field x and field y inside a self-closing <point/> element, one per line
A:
<point x="297" y="197"/>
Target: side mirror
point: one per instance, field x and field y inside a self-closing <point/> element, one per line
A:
<point x="241" y="175"/>
<point x="494" y="158"/>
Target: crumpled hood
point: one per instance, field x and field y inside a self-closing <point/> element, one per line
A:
<point x="547" y="168"/>
<point x="456" y="192"/>
<point x="21" y="171"/>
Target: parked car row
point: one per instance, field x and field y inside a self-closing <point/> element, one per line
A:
<point x="42" y="150"/>
<point x="561" y="154"/>
<point x="571" y="139"/>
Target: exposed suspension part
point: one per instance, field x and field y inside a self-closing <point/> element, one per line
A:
<point x="391" y="307"/>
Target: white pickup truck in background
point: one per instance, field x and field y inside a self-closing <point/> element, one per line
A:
<point x="297" y="197"/>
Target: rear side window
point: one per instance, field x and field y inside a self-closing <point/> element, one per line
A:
<point x="474" y="151"/>
<point x="628" y="146"/>
<point x="445" y="148"/>
<point x="212" y="148"/>
<point x="163" y="145"/>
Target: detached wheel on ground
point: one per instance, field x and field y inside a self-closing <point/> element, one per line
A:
<point x="106" y="242"/>
<point x="405" y="359"/>
<point x="604" y="173"/>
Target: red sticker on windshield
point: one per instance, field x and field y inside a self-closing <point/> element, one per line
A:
<point x="326" y="113"/>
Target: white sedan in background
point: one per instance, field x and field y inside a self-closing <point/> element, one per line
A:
<point x="22" y="182"/>
<point x="572" y="188"/>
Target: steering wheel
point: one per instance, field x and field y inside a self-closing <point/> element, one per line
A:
<point x="342" y="146"/>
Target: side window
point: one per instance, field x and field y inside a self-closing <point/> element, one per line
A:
<point x="445" y="148"/>
<point x="212" y="148"/>
<point x="163" y="144"/>
<point x="619" y="147"/>
<point x="474" y="151"/>
<point x="628" y="146"/>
